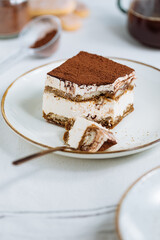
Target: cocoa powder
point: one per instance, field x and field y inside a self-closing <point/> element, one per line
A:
<point x="89" y="69"/>
<point x="45" y="39"/>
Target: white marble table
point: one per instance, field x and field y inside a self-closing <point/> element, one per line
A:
<point x="61" y="198"/>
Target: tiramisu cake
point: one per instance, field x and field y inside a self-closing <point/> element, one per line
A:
<point x="88" y="136"/>
<point x="89" y="86"/>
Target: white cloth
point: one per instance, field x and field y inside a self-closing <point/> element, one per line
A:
<point x="32" y="195"/>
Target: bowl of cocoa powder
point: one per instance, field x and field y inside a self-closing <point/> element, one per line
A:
<point x="41" y="36"/>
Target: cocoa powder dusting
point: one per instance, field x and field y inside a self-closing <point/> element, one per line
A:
<point x="89" y="69"/>
<point x="45" y="39"/>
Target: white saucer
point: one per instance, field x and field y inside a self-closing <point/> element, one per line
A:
<point x="22" y="110"/>
<point x="138" y="215"/>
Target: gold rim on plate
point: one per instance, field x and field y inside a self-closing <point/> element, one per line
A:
<point x="123" y="198"/>
<point x="76" y="151"/>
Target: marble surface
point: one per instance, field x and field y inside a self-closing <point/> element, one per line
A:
<point x="48" y="198"/>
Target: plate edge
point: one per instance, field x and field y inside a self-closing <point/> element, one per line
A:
<point x="123" y="198"/>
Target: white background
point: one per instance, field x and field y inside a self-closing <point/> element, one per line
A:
<point x="31" y="194"/>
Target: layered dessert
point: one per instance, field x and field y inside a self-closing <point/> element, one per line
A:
<point x="89" y="86"/>
<point x="88" y="136"/>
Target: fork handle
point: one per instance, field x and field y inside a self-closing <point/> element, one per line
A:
<point x="39" y="154"/>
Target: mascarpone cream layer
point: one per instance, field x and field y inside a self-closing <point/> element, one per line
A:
<point x="95" y="110"/>
<point x="87" y="90"/>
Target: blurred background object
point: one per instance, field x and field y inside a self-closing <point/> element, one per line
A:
<point x="144" y="21"/>
<point x="71" y="22"/>
<point x="40" y="38"/>
<point x="81" y="10"/>
<point x="14" y="14"/>
<point x="69" y="11"/>
<point x="54" y="7"/>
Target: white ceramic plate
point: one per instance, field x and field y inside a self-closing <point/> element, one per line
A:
<point x="22" y="110"/>
<point x="138" y="215"/>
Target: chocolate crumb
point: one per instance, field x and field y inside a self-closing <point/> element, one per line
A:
<point x="93" y="117"/>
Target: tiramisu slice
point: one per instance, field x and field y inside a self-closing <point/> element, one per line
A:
<point x="88" y="136"/>
<point x="90" y="86"/>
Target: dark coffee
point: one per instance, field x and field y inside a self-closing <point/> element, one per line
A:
<point x="144" y="21"/>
